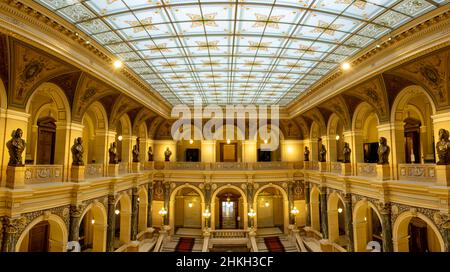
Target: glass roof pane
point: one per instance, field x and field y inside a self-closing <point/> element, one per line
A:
<point x="260" y="51"/>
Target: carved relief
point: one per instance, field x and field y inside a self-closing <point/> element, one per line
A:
<point x="31" y="68"/>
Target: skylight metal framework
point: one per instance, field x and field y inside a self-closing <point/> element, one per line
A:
<point x="236" y="52"/>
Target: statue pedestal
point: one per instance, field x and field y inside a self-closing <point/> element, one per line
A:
<point x="149" y="165"/>
<point x="383" y="172"/>
<point x="306" y="165"/>
<point x="323" y="167"/>
<point x="113" y="170"/>
<point x="77" y="173"/>
<point x="346" y="169"/>
<point x="136" y="167"/>
<point x="443" y="175"/>
<point x="15" y="177"/>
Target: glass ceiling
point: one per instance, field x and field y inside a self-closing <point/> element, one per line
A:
<point x="236" y="52"/>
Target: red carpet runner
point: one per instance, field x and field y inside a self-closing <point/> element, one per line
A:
<point x="185" y="244"/>
<point x="274" y="244"/>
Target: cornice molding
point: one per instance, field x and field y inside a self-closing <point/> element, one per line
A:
<point x="28" y="23"/>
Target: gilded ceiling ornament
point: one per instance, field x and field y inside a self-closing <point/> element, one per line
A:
<point x="252" y="63"/>
<point x="263" y="46"/>
<point x="213" y="45"/>
<point x="272" y="21"/>
<point x="359" y="4"/>
<point x="307" y="49"/>
<point x="327" y="28"/>
<point x="294" y="65"/>
<point x="159" y="47"/>
<point x="138" y="27"/>
<point x="169" y="64"/>
<point x="211" y="63"/>
<point x="199" y="20"/>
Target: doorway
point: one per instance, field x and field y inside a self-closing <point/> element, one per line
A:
<point x="46" y="141"/>
<point x="192" y="155"/>
<point x="412" y="141"/>
<point x="264" y="156"/>
<point x="229" y="212"/>
<point x="371" y="152"/>
<point x="39" y="235"/>
<point x="228" y="152"/>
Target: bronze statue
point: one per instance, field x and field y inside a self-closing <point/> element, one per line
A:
<point x="443" y="147"/>
<point x="347" y="151"/>
<point x="306" y="153"/>
<point x="16" y="146"/>
<point x="136" y="154"/>
<point x="383" y="152"/>
<point x="77" y="152"/>
<point x="150" y="154"/>
<point x="167" y="154"/>
<point x="113" y="158"/>
<point x="323" y="154"/>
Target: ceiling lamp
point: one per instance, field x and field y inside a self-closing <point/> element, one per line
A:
<point x="118" y="64"/>
<point x="346" y="66"/>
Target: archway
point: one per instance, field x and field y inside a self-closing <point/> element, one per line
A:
<point x="315" y="209"/>
<point x="229" y="204"/>
<point x="411" y="114"/>
<point x="122" y="221"/>
<point x="365" y="127"/>
<point x="335" y="139"/>
<point x="49" y="111"/>
<point x="186" y="207"/>
<point x="414" y="232"/>
<point x="272" y="208"/>
<point x="336" y="219"/>
<point x="366" y="225"/>
<point x="93" y="223"/>
<point x="95" y="134"/>
<point x="47" y="233"/>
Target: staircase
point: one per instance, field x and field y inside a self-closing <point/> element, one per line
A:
<point x="171" y="244"/>
<point x="289" y="246"/>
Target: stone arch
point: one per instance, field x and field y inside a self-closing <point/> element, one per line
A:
<point x="400" y="234"/>
<point x="172" y="203"/>
<point x="335" y="128"/>
<point x="97" y="111"/>
<point x="336" y="219"/>
<point x="361" y="223"/>
<point x="361" y="113"/>
<point x="99" y="216"/>
<point x="285" y="204"/>
<point x="124" y="217"/>
<point x="50" y="97"/>
<point x="365" y="123"/>
<point x="58" y="236"/>
<point x="142" y="209"/>
<point x="213" y="204"/>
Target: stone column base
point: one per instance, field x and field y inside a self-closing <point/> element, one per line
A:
<point x="113" y="170"/>
<point x="323" y="167"/>
<point x="306" y="165"/>
<point x="77" y="173"/>
<point x="136" y="167"/>
<point x="15" y="177"/>
<point x="443" y="175"/>
<point x="346" y="169"/>
<point x="383" y="172"/>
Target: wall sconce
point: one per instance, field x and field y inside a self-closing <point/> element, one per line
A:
<point x="267" y="204"/>
<point x="120" y="138"/>
<point x="228" y="141"/>
<point x="190" y="205"/>
<point x="191" y="141"/>
<point x="266" y="141"/>
<point x="93" y="221"/>
<point x="338" y="137"/>
<point x="340" y="210"/>
<point x="117" y="212"/>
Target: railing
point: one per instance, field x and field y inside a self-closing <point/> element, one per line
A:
<point x="43" y="173"/>
<point x="313" y="165"/>
<point x="185" y="166"/>
<point x="123" y="168"/>
<point x="228" y="234"/>
<point x="367" y="169"/>
<point x="93" y="171"/>
<point x="336" y="167"/>
<point x="272" y="166"/>
<point x="417" y="172"/>
<point x="229" y="166"/>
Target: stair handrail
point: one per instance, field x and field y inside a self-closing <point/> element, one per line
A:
<point x="163" y="234"/>
<point x="252" y="238"/>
